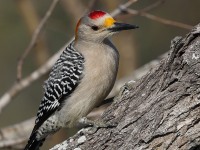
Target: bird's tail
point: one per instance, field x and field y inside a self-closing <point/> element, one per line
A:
<point x="33" y="143"/>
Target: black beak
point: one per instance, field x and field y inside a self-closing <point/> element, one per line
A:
<point x="122" y="26"/>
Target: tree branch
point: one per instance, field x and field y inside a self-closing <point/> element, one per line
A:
<point x="154" y="5"/>
<point x="16" y="134"/>
<point x="161" y="20"/>
<point x="34" y="38"/>
<point x="17" y="87"/>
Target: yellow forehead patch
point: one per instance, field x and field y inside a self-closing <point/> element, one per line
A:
<point x="109" y="22"/>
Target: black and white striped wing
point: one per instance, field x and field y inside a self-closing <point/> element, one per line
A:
<point x="63" y="80"/>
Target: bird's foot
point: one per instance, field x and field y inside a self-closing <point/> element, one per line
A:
<point x="95" y="125"/>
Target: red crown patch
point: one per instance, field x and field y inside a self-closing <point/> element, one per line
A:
<point x="96" y="14"/>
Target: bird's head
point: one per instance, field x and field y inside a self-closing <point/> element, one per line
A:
<point x="98" y="25"/>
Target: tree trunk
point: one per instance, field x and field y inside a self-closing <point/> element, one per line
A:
<point x="159" y="111"/>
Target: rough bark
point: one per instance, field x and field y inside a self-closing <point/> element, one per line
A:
<point x="160" y="111"/>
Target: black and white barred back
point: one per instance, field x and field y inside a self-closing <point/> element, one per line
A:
<point x="63" y="79"/>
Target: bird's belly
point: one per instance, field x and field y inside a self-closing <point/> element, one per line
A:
<point x="92" y="90"/>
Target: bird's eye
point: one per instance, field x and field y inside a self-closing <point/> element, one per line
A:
<point x="95" y="28"/>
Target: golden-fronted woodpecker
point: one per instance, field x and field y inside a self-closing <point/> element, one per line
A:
<point x="81" y="78"/>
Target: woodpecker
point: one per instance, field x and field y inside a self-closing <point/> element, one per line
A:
<point x="81" y="78"/>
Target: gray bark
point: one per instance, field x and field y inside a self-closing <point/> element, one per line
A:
<point x="159" y="111"/>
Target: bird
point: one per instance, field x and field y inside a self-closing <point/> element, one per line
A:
<point x="81" y="78"/>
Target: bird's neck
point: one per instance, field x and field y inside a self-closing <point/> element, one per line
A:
<point x="98" y="53"/>
<point x="85" y="45"/>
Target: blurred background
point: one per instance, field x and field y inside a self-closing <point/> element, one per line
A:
<point x="19" y="19"/>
